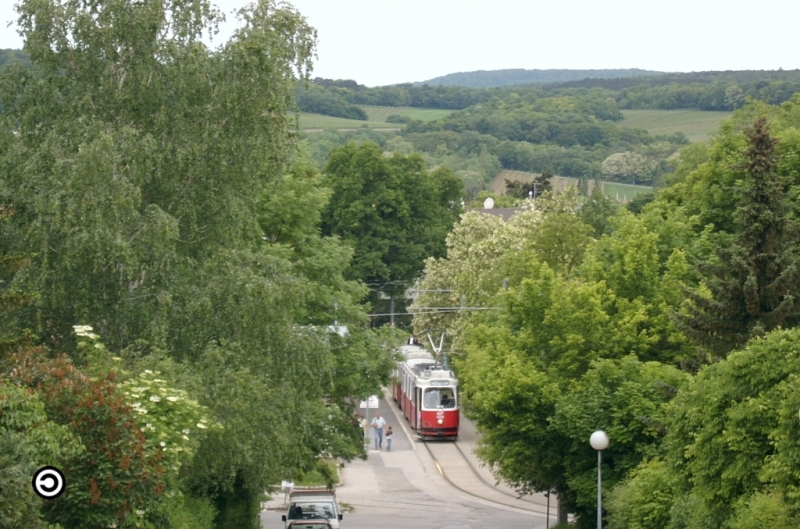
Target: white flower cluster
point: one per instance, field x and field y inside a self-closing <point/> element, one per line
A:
<point x="85" y="331"/>
<point x="167" y="416"/>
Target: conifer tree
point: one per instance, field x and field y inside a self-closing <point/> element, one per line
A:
<point x="754" y="281"/>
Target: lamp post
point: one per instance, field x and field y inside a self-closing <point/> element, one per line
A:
<point x="599" y="441"/>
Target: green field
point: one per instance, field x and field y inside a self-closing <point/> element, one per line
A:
<point x="425" y="114"/>
<point x="624" y="192"/>
<point x="318" y="122"/>
<point x="696" y="124"/>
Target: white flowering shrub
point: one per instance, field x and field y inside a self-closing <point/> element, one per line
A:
<point x="171" y="421"/>
<point x="480" y="252"/>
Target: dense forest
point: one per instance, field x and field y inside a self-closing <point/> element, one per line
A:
<point x="702" y="90"/>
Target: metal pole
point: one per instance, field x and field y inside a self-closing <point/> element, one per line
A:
<point x="599" y="490"/>
<point x="547" y="525"/>
<point x="391" y="310"/>
<point x="367" y="427"/>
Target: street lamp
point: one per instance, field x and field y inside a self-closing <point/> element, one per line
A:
<point x="599" y="441"/>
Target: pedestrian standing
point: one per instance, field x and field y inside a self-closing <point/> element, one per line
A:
<point x="388" y="438"/>
<point x="378" y="423"/>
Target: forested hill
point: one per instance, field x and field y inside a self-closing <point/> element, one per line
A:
<point x="12" y="56"/>
<point x="702" y="78"/>
<point x="518" y="76"/>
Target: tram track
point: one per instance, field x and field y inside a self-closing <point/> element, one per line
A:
<point x="517" y="502"/>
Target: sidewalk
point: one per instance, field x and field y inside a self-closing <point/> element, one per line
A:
<point x="408" y="475"/>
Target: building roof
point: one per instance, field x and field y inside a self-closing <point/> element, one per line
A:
<point x="504" y="213"/>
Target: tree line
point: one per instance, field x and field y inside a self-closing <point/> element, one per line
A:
<point x="714" y="91"/>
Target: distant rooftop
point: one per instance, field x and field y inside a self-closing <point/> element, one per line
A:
<point x="504" y="213"/>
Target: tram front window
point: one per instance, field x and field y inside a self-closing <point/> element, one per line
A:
<point x="439" y="398"/>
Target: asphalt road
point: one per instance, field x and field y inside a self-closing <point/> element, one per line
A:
<point x="404" y="489"/>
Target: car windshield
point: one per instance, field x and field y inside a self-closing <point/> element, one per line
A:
<point x="439" y="397"/>
<point x="307" y="510"/>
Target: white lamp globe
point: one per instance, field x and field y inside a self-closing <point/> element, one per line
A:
<point x="599" y="440"/>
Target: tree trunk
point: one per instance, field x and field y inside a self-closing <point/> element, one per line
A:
<point x="562" y="512"/>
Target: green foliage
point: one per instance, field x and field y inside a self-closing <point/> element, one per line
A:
<point x="111" y="475"/>
<point x="394" y="118"/>
<point x="626" y="398"/>
<point x="597" y="210"/>
<point x="542" y="372"/>
<point x="644" y="500"/>
<point x="753" y="279"/>
<point x="500" y="201"/>
<point x="173" y="423"/>
<point x="764" y="509"/>
<point x="561" y="242"/>
<point x="143" y="171"/>
<point x="512" y="402"/>
<point x="325" y="473"/>
<point x="729" y="430"/>
<point x="539" y="185"/>
<point x="390" y="210"/>
<point x="636" y="205"/>
<point x="314" y="99"/>
<point x="28" y="441"/>
<point x="9" y="57"/>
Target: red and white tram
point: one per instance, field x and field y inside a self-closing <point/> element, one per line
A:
<point x="427" y="392"/>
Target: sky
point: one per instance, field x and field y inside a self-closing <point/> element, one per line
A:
<point x="381" y="42"/>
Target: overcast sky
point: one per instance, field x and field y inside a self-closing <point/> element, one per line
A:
<point x="379" y="42"/>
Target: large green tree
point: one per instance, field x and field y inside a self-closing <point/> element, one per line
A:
<point x="731" y="453"/>
<point x="393" y="212"/>
<point x="753" y="281"/>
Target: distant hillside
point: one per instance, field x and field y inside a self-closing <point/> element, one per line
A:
<point x="489" y="79"/>
<point x="700" y="78"/>
<point x="13" y="56"/>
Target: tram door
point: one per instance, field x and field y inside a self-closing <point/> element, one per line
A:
<point x="418" y="407"/>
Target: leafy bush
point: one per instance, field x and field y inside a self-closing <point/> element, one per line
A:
<point x="396" y="118"/>
<point x="28" y="440"/>
<point x="113" y="474"/>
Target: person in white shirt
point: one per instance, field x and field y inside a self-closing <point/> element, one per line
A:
<point x="378" y="423"/>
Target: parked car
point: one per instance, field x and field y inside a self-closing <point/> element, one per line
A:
<point x="312" y="506"/>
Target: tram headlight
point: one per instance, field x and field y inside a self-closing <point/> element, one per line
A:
<point x="440" y="421"/>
